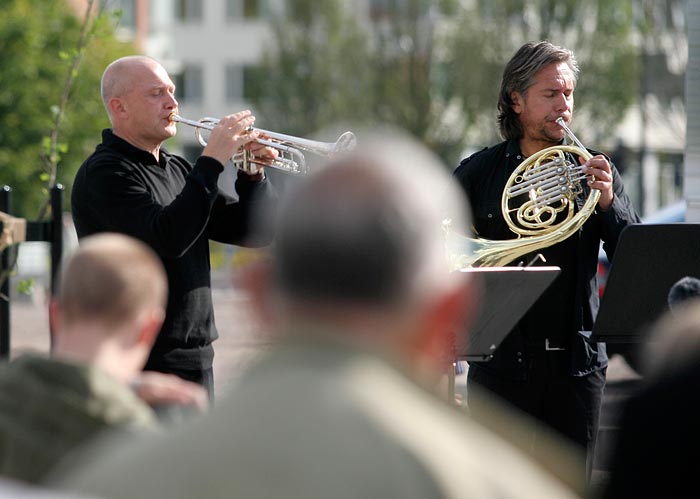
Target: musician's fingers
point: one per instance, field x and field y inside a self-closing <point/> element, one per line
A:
<point x="247" y="137"/>
<point x="599" y="168"/>
<point x="261" y="150"/>
<point x="235" y="117"/>
<point x="231" y="133"/>
<point x="600" y="162"/>
<point x="237" y="122"/>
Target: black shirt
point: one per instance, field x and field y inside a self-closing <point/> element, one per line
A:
<point x="175" y="208"/>
<point x="566" y="311"/>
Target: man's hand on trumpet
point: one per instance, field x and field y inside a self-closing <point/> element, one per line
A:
<point x="600" y="177"/>
<point x="230" y="135"/>
<point x="262" y="153"/>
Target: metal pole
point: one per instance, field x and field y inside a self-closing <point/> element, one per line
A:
<point x="5" y="202"/>
<point x="56" y="234"/>
<point x="691" y="166"/>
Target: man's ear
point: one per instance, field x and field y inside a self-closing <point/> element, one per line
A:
<point x="517" y="99"/>
<point x="116" y="107"/>
<point x="450" y="318"/>
<point x="149" y="324"/>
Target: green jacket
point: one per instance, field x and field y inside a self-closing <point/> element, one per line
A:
<point x="315" y="419"/>
<point x="50" y="407"/>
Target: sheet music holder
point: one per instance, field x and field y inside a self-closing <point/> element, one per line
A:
<point x="648" y="260"/>
<point x="507" y="293"/>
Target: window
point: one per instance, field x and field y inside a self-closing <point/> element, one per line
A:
<point x="251" y="8"/>
<point x="252" y="81"/>
<point x="189" y="84"/>
<point x="127" y="14"/>
<point x="234" y="82"/>
<point x="233" y="9"/>
<point x="242" y="82"/>
<point x="188" y="10"/>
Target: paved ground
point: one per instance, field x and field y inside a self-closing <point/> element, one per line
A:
<point x="240" y="339"/>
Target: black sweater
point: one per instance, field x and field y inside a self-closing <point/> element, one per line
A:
<point x="175" y="208"/>
<point x="567" y="310"/>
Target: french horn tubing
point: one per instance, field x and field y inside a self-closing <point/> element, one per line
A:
<point x="538" y="204"/>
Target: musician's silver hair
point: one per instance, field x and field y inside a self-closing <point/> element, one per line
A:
<point x="367" y="228"/>
<point x="519" y="75"/>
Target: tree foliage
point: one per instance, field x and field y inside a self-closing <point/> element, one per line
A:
<point x="433" y="67"/>
<point x="599" y="32"/>
<point x="37" y="41"/>
<point x="314" y="73"/>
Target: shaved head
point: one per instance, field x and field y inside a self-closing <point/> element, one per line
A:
<point x="118" y="78"/>
<point x="139" y="97"/>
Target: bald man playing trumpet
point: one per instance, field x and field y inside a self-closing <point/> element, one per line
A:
<point x="132" y="185"/>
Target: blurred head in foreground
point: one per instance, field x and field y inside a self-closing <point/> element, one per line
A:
<point x="674" y="339"/>
<point x="359" y="274"/>
<point x="110" y="304"/>
<point x="683" y="290"/>
<point x="360" y="247"/>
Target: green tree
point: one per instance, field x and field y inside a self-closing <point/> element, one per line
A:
<point x="433" y="67"/>
<point x="663" y="60"/>
<point x="325" y="65"/>
<point x="601" y="34"/>
<point x="314" y="73"/>
<point x="38" y="39"/>
<point x="407" y="70"/>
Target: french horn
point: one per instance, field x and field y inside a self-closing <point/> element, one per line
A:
<point x="538" y="204"/>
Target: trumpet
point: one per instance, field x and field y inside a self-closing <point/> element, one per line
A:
<point x="291" y="149"/>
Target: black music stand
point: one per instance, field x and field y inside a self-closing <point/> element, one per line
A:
<point x="648" y="260"/>
<point x="507" y="293"/>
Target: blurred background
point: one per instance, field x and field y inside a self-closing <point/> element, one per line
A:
<point x="303" y="66"/>
<point x="313" y="68"/>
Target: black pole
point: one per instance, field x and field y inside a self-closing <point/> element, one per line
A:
<point x="56" y="234"/>
<point x="5" y="202"/>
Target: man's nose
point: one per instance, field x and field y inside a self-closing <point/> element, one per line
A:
<point x="172" y="102"/>
<point x="561" y="103"/>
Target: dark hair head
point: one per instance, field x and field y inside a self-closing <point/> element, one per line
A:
<point x="519" y="74"/>
<point x="683" y="290"/>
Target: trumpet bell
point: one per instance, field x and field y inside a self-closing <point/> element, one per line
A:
<point x="290" y="149"/>
<point x="345" y="143"/>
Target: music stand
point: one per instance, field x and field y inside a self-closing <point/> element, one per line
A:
<point x="648" y="260"/>
<point x="507" y="293"/>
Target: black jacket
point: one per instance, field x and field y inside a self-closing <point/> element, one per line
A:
<point x="175" y="208"/>
<point x="656" y="447"/>
<point x="567" y="310"/>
